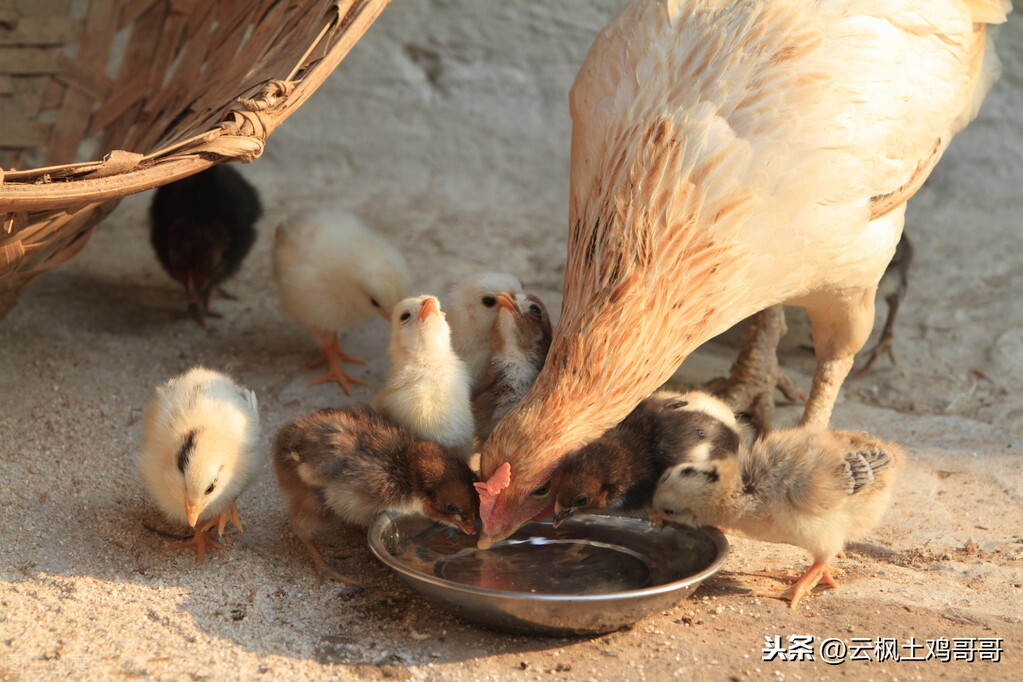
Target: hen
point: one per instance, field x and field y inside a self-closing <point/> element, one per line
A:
<point x="728" y="156"/>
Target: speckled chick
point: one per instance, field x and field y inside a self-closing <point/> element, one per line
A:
<point x="427" y="388"/>
<point x="201" y="228"/>
<point x="519" y="341"/>
<point x="349" y="465"/>
<point x="809" y="487"/>
<point x="472" y="308"/>
<point x="619" y="471"/>
<point x="334" y="272"/>
<point x="199" y="452"/>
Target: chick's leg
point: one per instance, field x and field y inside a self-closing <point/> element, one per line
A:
<point x="819" y="570"/>
<point x="199" y="542"/>
<point x="755" y="373"/>
<point x="229" y="514"/>
<point x="841" y="324"/>
<point x="321" y="568"/>
<point x="334" y="356"/>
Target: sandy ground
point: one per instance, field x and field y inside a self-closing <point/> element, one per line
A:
<point x="447" y="127"/>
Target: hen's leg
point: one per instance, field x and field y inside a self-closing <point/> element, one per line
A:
<point x="841" y="324"/>
<point x="895" y="281"/>
<point x="755" y="373"/>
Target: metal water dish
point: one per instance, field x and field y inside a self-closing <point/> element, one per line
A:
<point x="590" y="575"/>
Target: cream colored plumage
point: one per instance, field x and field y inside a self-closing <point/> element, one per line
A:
<point x="427" y="388"/>
<point x="471" y="310"/>
<point x="334" y="272"/>
<point x="730" y="155"/>
<point x="199" y="451"/>
<point x="809" y="487"/>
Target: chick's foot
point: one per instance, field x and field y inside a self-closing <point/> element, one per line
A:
<point x="229" y="514"/>
<point x="324" y="571"/>
<point x="199" y="542"/>
<point x="755" y="374"/>
<point x="334" y="356"/>
<point x="818" y="571"/>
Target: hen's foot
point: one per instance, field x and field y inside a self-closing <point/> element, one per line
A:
<point x="199" y="542"/>
<point x="755" y="374"/>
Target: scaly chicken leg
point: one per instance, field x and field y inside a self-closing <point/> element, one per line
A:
<point x="331" y="353"/>
<point x="755" y="373"/>
<point x="894" y="283"/>
<point x="321" y="568"/>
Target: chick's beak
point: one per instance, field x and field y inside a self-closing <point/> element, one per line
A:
<point x="659" y="518"/>
<point x="562" y="515"/>
<point x="506" y="301"/>
<point x="465" y="525"/>
<point x="429" y="307"/>
<point x="192" y="511"/>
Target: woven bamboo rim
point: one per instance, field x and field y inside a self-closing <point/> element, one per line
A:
<point x="198" y="82"/>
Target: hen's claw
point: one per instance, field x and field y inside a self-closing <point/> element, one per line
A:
<point x="755" y="374"/>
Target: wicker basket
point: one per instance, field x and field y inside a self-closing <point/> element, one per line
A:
<point x="154" y="89"/>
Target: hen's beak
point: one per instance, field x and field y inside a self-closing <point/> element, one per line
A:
<point x="505" y="300"/>
<point x="428" y="308"/>
<point x="192" y="511"/>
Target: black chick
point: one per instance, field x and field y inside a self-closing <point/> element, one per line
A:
<point x="348" y="465"/>
<point x="620" y="469"/>
<point x="201" y="228"/>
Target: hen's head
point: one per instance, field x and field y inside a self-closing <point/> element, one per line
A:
<point x="508" y="500"/>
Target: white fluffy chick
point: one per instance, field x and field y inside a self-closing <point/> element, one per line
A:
<point x="334" y="272"/>
<point x="809" y="487"/>
<point x="427" y="390"/>
<point x="199" y="452"/>
<point x="472" y="308"/>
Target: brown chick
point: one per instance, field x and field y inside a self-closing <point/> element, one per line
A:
<point x="519" y="340"/>
<point x="619" y="470"/>
<point x="350" y="464"/>
<point x="809" y="487"/>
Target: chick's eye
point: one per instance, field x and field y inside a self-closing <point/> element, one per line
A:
<point x="405" y="317"/>
<point x="542" y="490"/>
<point x="581" y="501"/>
<point x="670" y="512"/>
<point x="374" y="302"/>
<point x="452" y="508"/>
<point x="213" y="486"/>
<point x="489" y="301"/>
<point x="534" y="309"/>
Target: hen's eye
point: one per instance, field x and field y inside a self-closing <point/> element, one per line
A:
<point x="542" y="490"/>
<point x="405" y="317"/>
<point x="375" y="303"/>
<point x="209" y="491"/>
<point x="452" y="508"/>
<point x="534" y="309"/>
<point x="489" y="301"/>
<point x="581" y="501"/>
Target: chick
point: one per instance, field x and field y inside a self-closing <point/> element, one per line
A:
<point x="519" y="340"/>
<point x="809" y="487"/>
<point x="199" y="453"/>
<point x="334" y="272"/>
<point x="619" y="470"/>
<point x="351" y="464"/>
<point x="472" y="309"/>
<point x="427" y="390"/>
<point x="201" y="228"/>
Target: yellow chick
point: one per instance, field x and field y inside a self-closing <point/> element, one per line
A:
<point x="809" y="487"/>
<point x="199" y="452"/>
<point x="472" y="308"/>
<point x="427" y="389"/>
<point x="334" y="272"/>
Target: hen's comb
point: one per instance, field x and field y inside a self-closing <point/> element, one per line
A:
<point x="496" y="483"/>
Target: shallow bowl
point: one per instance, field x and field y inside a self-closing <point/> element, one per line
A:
<point x="592" y="574"/>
